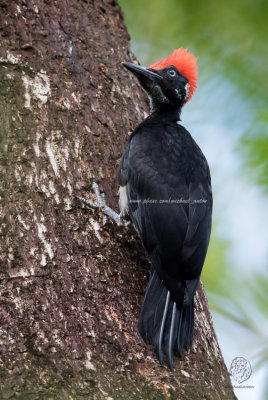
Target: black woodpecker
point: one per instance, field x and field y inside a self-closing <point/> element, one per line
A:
<point x="165" y="189"/>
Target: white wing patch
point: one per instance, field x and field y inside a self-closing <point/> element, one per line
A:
<point x="123" y="201"/>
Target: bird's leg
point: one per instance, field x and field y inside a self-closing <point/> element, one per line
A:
<point x="107" y="211"/>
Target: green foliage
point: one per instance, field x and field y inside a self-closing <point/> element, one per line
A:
<point x="230" y="39"/>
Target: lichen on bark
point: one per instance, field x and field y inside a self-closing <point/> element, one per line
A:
<point x="71" y="290"/>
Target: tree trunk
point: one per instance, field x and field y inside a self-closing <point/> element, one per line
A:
<point x="71" y="290"/>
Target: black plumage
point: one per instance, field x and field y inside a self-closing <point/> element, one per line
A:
<point x="169" y="201"/>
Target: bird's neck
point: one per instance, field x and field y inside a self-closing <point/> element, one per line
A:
<point x="166" y="112"/>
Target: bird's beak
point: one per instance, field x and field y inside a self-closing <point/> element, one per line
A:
<point x="142" y="72"/>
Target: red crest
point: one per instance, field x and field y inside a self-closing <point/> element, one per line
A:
<point x="185" y="62"/>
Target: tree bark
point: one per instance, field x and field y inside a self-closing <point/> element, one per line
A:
<point x="71" y="290"/>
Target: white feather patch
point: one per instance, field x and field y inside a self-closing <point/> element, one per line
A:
<point x="123" y="201"/>
<point x="187" y="89"/>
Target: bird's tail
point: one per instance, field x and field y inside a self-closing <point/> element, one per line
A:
<point x="162" y="324"/>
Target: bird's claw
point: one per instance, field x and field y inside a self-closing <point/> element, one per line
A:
<point x="101" y="204"/>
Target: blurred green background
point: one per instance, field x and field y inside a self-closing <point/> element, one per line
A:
<point x="228" y="118"/>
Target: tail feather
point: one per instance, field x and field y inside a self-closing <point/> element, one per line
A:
<point x="179" y="344"/>
<point x="163" y="324"/>
<point x="171" y="332"/>
<point x="148" y="309"/>
<point x="159" y="322"/>
<point x="186" y="330"/>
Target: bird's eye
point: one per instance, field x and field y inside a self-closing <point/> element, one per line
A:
<point x="172" y="73"/>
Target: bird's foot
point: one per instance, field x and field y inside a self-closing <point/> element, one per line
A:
<point x="106" y="210"/>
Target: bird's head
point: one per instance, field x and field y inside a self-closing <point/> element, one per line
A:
<point x="171" y="82"/>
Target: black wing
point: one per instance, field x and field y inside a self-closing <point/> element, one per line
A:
<point x="169" y="199"/>
<point x="170" y="203"/>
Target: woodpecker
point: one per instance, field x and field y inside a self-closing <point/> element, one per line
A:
<point x="165" y="190"/>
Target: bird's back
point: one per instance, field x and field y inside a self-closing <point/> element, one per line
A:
<point x="169" y="194"/>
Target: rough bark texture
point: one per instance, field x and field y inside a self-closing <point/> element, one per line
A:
<point x="71" y="290"/>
